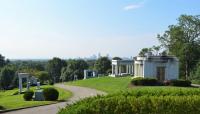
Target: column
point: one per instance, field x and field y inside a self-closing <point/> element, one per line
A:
<point x="127" y="69"/>
<point x="120" y="70"/>
<point x="112" y="70"/>
<point x="20" y="84"/>
<point x="116" y="69"/>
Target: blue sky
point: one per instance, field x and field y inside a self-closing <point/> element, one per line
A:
<point x="80" y="28"/>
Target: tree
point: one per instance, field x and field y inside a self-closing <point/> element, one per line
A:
<point x="6" y="76"/>
<point x="74" y="67"/>
<point x="183" y="41"/>
<point x="116" y="58"/>
<point x="145" y="51"/>
<point x="102" y="65"/>
<point x="54" y="67"/>
<point x="43" y="76"/>
<point x="2" y="61"/>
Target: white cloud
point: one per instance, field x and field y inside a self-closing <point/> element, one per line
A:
<point x="133" y="6"/>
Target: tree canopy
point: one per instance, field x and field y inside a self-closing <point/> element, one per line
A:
<point x="102" y="65"/>
<point x="183" y="41"/>
<point x="54" y="67"/>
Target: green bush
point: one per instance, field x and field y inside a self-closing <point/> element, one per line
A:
<point x="50" y="94"/>
<point x="144" y="81"/>
<point x="28" y="95"/>
<point x="142" y="101"/>
<point x="180" y="83"/>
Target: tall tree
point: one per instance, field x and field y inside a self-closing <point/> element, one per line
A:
<point x="183" y="41"/>
<point x="102" y="65"/>
<point x="6" y="76"/>
<point x="74" y="67"/>
<point x="2" y="61"/>
<point x="54" y="67"/>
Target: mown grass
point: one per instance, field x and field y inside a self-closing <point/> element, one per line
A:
<point x="107" y="84"/>
<point x="9" y="101"/>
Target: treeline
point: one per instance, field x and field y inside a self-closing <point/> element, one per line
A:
<point x="51" y="71"/>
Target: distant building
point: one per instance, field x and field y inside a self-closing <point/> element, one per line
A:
<point x="122" y="67"/>
<point x="160" y="67"/>
<point x="90" y="74"/>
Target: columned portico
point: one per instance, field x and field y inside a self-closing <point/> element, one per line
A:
<point x="122" y="67"/>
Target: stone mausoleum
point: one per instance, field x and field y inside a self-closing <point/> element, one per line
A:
<point x="160" y="67"/>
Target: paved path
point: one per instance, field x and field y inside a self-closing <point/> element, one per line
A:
<point x="78" y="93"/>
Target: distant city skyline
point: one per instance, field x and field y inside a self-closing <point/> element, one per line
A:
<point x="42" y="29"/>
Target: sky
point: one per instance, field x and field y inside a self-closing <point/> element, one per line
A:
<point x="42" y="29"/>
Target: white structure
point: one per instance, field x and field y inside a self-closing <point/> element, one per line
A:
<point x="90" y="74"/>
<point x="21" y="76"/>
<point x="122" y="67"/>
<point x="30" y="80"/>
<point x="160" y="67"/>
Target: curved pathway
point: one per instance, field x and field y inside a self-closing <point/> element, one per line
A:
<point x="78" y="93"/>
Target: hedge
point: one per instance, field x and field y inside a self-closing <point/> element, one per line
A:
<point x="144" y="81"/>
<point x="143" y="101"/>
<point x="50" y="94"/>
<point x="28" y="95"/>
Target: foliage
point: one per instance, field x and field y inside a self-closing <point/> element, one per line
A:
<point x="50" y="94"/>
<point x="43" y="76"/>
<point x="10" y="101"/>
<point x="153" y="50"/>
<point x="54" y="67"/>
<point x="102" y="65"/>
<point x="74" y="67"/>
<point x="145" y="51"/>
<point x="144" y="81"/>
<point x="116" y="58"/>
<point x="6" y="76"/>
<point x="180" y="83"/>
<point x="2" y="61"/>
<point x="182" y="40"/>
<point x="28" y="95"/>
<point x="140" y="101"/>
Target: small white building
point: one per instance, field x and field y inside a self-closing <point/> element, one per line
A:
<point x="90" y="74"/>
<point x="159" y="67"/>
<point x="122" y="67"/>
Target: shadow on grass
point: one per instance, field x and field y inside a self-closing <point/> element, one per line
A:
<point x="2" y="108"/>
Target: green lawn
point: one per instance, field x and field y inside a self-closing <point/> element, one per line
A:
<point x="10" y="101"/>
<point x="107" y="84"/>
<point x="112" y="85"/>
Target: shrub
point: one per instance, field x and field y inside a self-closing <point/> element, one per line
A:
<point x="180" y="83"/>
<point x="141" y="101"/>
<point x="28" y="95"/>
<point x="50" y="94"/>
<point x="144" y="81"/>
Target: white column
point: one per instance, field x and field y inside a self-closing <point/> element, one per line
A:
<point x="127" y="69"/>
<point x="112" y="69"/>
<point x="116" y="69"/>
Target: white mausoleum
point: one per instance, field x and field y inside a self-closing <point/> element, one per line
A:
<point x="122" y="67"/>
<point x="160" y="67"/>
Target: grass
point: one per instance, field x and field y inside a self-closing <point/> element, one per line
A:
<point x="107" y="84"/>
<point x="9" y="101"/>
<point x="113" y="85"/>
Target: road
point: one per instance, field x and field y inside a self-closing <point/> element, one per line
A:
<point x="78" y="93"/>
